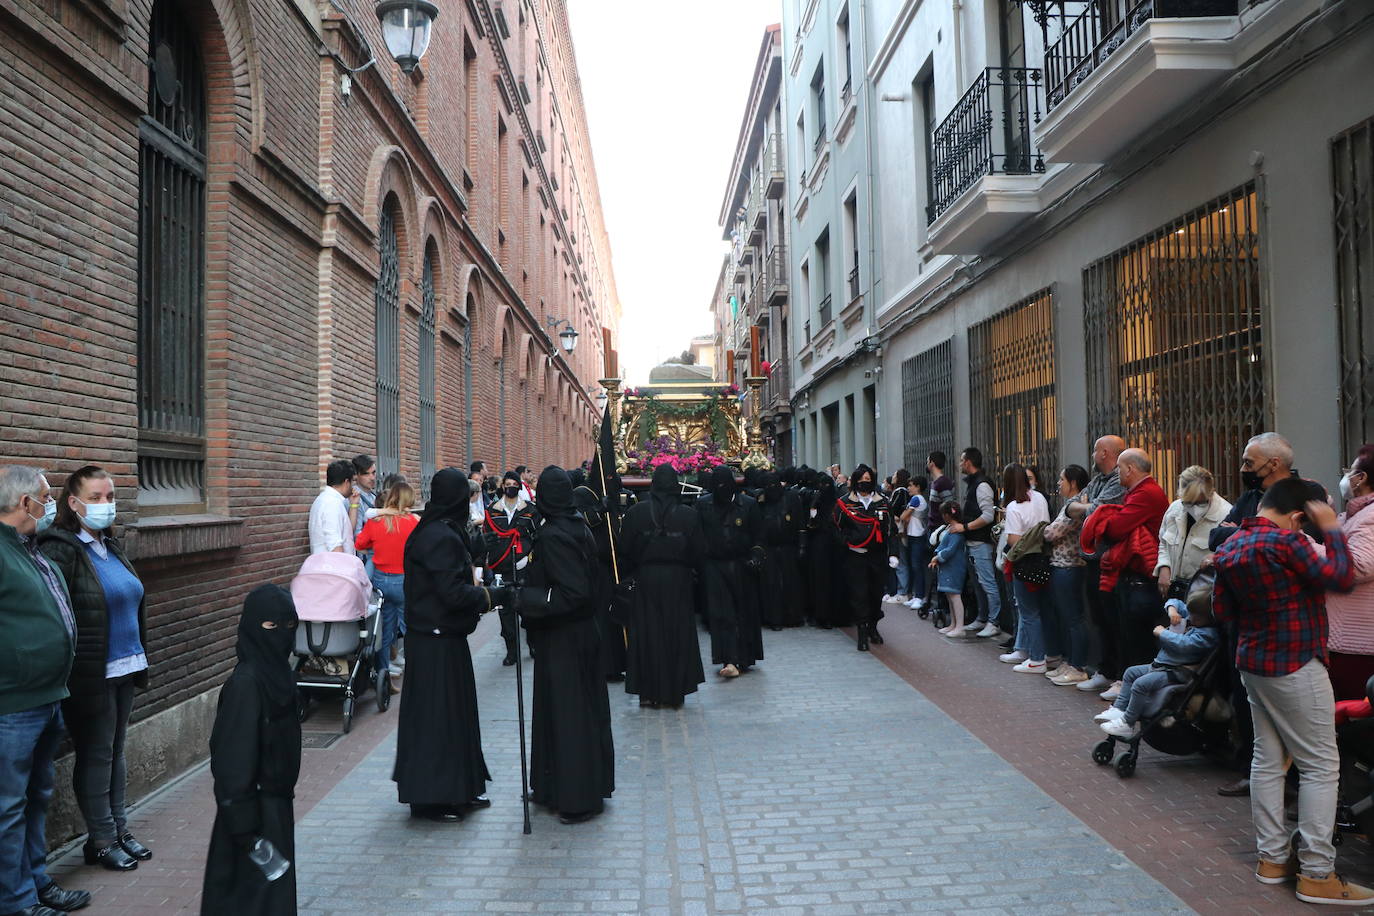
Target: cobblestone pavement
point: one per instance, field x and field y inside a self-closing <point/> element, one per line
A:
<point x="819" y="783"/>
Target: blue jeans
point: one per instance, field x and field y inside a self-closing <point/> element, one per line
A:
<point x="28" y="740"/>
<point x="980" y="556"/>
<point x="1066" y="591"/>
<point x="911" y="571"/>
<point x="1030" y="634"/>
<point x="391" y="585"/>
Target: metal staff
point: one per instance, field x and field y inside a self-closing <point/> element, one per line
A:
<point x="520" y="700"/>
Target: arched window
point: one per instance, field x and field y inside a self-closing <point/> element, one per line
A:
<point x="426" y="364"/>
<point x="388" y="307"/>
<point x="171" y="271"/>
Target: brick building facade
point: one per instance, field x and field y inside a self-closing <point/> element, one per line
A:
<point x="199" y="293"/>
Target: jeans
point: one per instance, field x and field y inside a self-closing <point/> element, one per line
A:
<point x="980" y="557"/>
<point x="1066" y="590"/>
<point x="98" y="776"/>
<point x="1030" y="636"/>
<point x="392" y="587"/>
<point x="1139" y="686"/>
<point x="28" y="740"/>
<point x="1295" y="719"/>
<point x="911" y="571"/>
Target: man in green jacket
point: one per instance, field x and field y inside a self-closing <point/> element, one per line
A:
<point x="37" y="633"/>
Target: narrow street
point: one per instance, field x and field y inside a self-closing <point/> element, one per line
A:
<point x="924" y="777"/>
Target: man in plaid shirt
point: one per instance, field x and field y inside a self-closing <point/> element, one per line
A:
<point x="1271" y="584"/>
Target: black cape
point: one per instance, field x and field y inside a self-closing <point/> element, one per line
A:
<point x="732" y="539"/>
<point x="255" y="758"/>
<point x="780" y="594"/>
<point x="605" y="532"/>
<point x="439" y="738"/>
<point x="824" y="561"/>
<point x="572" y="755"/>
<point x="661" y="542"/>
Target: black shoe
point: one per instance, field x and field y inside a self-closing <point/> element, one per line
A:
<point x="37" y="909"/>
<point x="862" y="642"/>
<point x="1235" y="789"/>
<point x="775" y="629"/>
<point x="614" y="678"/>
<point x="509" y="659"/>
<point x="58" y="898"/>
<point x="874" y="635"/>
<point x="825" y="626"/>
<point x="134" y="848"/>
<point x="1006" y="645"/>
<point x="440" y="814"/>
<point x="480" y="801"/>
<point x="112" y="857"/>
<point x="577" y="818"/>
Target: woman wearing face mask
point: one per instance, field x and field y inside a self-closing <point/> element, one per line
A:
<point x="111" y="636"/>
<point x="869" y="534"/>
<point x="1186" y="530"/>
<point x="1351" y="616"/>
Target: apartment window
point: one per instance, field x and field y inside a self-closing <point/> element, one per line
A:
<point x="925" y="91"/>
<point x="470" y="100"/>
<point x="928" y="404"/>
<point x="818" y="106"/>
<point x="801" y="144"/>
<point x="502" y="185"/>
<point x="847" y="90"/>
<point x="387" y="302"/>
<point x="1352" y="177"/>
<point x="823" y="277"/>
<point x="171" y="271"/>
<point x="1012" y="398"/>
<point x="1175" y="362"/>
<point x="804" y="300"/>
<point x="851" y="237"/>
<point x="832" y="429"/>
<point x="428" y="401"/>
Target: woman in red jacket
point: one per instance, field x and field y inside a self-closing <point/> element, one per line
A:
<point x="386" y="535"/>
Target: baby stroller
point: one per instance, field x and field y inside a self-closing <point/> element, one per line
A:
<point x="1355" y="740"/>
<point x="339" y="633"/>
<point x="1192" y="717"/>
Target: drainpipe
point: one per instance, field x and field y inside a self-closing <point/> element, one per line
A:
<point x="871" y="305"/>
<point x="957" y="7"/>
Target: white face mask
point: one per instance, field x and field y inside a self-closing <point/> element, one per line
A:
<point x="99" y="516"/>
<point x="1197" y="511"/>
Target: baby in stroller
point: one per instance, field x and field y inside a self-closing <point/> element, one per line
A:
<point x="1189" y="640"/>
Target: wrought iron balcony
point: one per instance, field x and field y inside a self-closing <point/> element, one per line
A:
<point x="772" y="168"/>
<point x="775" y="275"/>
<point x="819" y="143"/>
<point x="1102" y="27"/>
<point x="854" y="281"/>
<point x="777" y="390"/>
<point x="987" y="133"/>
<point x="825" y="310"/>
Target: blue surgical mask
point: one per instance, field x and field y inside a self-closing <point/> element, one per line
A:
<point x="99" y="516"/>
<point x="49" y="513"/>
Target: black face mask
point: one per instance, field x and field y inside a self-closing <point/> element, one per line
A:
<point x="511" y="492"/>
<point x="1251" y="480"/>
<point x="864" y="486"/>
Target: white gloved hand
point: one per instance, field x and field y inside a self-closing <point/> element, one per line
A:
<point x="476" y="575"/>
<point x="813" y="513"/>
<point x="522" y="563"/>
<point x="893" y="563"/>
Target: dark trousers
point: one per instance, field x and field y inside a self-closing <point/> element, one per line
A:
<point x="98" y="775"/>
<point x="1102" y="614"/>
<point x="866" y="576"/>
<point x="1242" y="720"/>
<point x="1139" y="609"/>
<point x="510" y="628"/>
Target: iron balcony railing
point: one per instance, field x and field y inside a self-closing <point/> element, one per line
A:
<point x="825" y="310"/>
<point x="775" y="274"/>
<point x="987" y="133"/>
<point x="773" y="171"/>
<point x="777" y="389"/>
<point x="1103" y="26"/>
<point x="854" y="282"/>
<point x="819" y="142"/>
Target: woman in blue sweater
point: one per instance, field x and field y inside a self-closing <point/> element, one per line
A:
<point x="111" y="636"/>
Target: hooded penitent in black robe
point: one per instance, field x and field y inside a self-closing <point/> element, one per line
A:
<point x="780" y="598"/>
<point x="255" y="757"/>
<point x="733" y="552"/>
<point x="661" y="548"/>
<point x="572" y="758"/>
<point x="439" y="761"/>
<point x="604" y="527"/>
<point x="824" y="561"/>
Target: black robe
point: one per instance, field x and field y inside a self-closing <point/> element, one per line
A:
<point x="662" y="551"/>
<point x="824" y="563"/>
<point x="780" y="593"/>
<point x="439" y="738"/>
<point x="604" y="527"/>
<point x="572" y="755"/>
<point x="731" y="538"/>
<point x="255" y="758"/>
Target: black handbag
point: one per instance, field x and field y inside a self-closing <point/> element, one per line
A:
<point x="1178" y="588"/>
<point x="1033" y="568"/>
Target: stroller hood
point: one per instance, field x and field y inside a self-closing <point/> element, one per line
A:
<point x="331" y="586"/>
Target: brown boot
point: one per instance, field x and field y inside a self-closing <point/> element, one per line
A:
<point x="1333" y="889"/>
<point x="1276" y="872"/>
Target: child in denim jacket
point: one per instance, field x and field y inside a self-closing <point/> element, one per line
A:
<point x="1180" y="650"/>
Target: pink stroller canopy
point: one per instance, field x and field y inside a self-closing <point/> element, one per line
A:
<point x="331" y="586"/>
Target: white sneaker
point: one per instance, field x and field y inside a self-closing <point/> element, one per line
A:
<point x="1071" y="677"/>
<point x="1112" y="692"/>
<point x="1118" y="728"/>
<point x="989" y="631"/>
<point x="1094" y="683"/>
<point x="1014" y="658"/>
<point x="1053" y="671"/>
<point x="916" y="604"/>
<point x="887" y="599"/>
<point x="1030" y="667"/>
<point x="399" y="662"/>
<point x="1108" y="714"/>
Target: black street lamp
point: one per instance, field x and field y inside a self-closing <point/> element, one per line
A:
<point x="568" y="336"/>
<point x="406" y="26"/>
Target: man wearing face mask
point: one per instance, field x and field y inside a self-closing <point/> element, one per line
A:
<point x="111" y="630"/>
<point x="36" y="624"/>
<point x="1271" y="586"/>
<point x="1267" y="459"/>
<point x="508" y="532"/>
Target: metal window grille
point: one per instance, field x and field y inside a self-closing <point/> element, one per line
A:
<point x="928" y="404"/>
<point x="832" y="428"/>
<point x="388" y="309"/>
<point x="1175" y="363"/>
<point x="426" y="364"/>
<point x="1352" y="176"/>
<point x="1012" y="395"/>
<point x="171" y="271"/>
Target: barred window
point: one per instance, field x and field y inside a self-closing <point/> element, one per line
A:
<point x="1012" y="396"/>
<point x="927" y="405"/>
<point x="1352" y="176"/>
<point x="171" y="271"/>
<point x="1175" y="362"/>
<point x="388" y="332"/>
<point x="426" y="364"/>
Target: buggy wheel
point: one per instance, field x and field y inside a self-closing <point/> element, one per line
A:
<point x="1102" y="752"/>
<point x="383" y="691"/>
<point x="304" y="704"/>
<point x="347" y="714"/>
<point x="1337" y="838"/>
<point x="1125" y="764"/>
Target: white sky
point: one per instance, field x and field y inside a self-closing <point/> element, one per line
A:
<point x="665" y="85"/>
